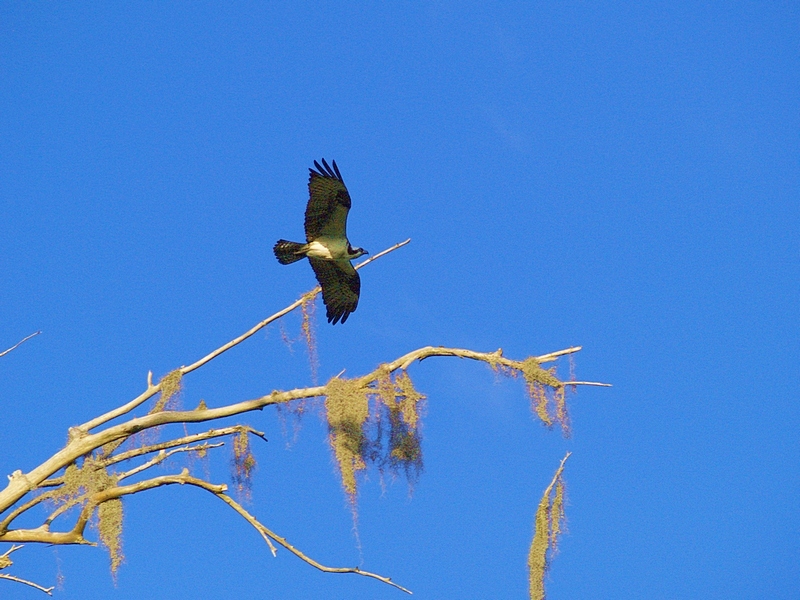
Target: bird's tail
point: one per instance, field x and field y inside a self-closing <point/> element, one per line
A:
<point x="288" y="252"/>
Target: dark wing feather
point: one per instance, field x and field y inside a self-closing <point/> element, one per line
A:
<point x="340" y="287"/>
<point x="328" y="203"/>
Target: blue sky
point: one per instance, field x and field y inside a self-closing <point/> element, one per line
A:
<point x="621" y="176"/>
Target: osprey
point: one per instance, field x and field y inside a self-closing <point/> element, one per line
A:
<point x="327" y="247"/>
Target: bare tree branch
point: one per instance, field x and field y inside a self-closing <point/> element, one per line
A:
<point x="43" y="535"/>
<point x="267" y="534"/>
<point x="4" y="560"/>
<point x="123" y="456"/>
<point x="379" y="255"/>
<point x="164" y="455"/>
<point x="19" y="343"/>
<point x="492" y="358"/>
<point x="48" y="591"/>
<point x="20" y="510"/>
<point x="82" y="444"/>
<point x="189" y="439"/>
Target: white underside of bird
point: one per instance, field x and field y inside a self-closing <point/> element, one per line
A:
<point x="328" y="248"/>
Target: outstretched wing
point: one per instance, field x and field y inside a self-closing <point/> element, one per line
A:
<point x="328" y="203"/>
<point x="340" y="287"/>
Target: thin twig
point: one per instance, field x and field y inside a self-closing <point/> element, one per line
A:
<point x="6" y="522"/>
<point x="546" y="528"/>
<point x="557" y="475"/>
<point x="48" y="591"/>
<point x="21" y="509"/>
<point x="379" y="254"/>
<point x="189" y="439"/>
<point x="550" y="357"/>
<point x="62" y="508"/>
<point x="164" y="455"/>
<point x="19" y="343"/>
<point x="148" y="484"/>
<point x="267" y="534"/>
<point x="13" y="548"/>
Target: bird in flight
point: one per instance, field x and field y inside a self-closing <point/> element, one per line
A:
<point x="327" y="247"/>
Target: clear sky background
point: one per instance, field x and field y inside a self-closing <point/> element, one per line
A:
<point x="621" y="176"/>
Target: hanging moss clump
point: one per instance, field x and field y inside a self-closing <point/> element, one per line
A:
<point x="80" y="484"/>
<point x="170" y="387"/>
<point x="405" y="441"/>
<point x="357" y="439"/>
<point x="548" y="525"/>
<point x="347" y="408"/>
<point x="243" y="464"/>
<point x="109" y="525"/>
<point x="547" y="394"/>
<point x="308" y="308"/>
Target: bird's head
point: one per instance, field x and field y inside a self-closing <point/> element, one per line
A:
<point x="355" y="252"/>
